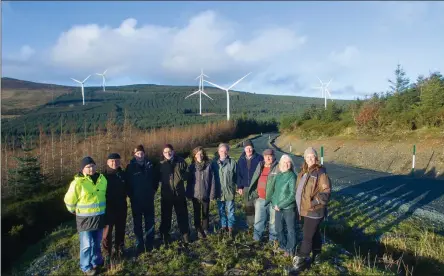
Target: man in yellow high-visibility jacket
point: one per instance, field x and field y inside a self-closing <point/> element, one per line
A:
<point x="86" y="198"/>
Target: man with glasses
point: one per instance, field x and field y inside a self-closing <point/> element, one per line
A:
<point x="172" y="174"/>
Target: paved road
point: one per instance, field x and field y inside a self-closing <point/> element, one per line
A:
<point x="421" y="196"/>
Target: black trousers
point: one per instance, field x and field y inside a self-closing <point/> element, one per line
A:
<point x="180" y="207"/>
<point x="144" y="236"/>
<point x="117" y="221"/>
<point x="201" y="214"/>
<point x="249" y="207"/>
<point x="311" y="240"/>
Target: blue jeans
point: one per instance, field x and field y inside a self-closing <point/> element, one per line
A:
<point x="90" y="253"/>
<point x="262" y="215"/>
<point x="286" y="220"/>
<point x="221" y="205"/>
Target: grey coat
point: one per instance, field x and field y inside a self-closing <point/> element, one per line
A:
<point x="201" y="183"/>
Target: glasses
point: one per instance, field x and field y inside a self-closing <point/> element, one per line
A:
<point x="168" y="152"/>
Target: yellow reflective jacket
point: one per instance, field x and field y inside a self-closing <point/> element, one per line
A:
<point x="86" y="199"/>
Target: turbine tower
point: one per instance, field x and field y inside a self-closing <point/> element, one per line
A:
<point x="103" y="79"/>
<point x="83" y="90"/>
<point x="226" y="90"/>
<point x="324" y="91"/>
<point x="200" y="90"/>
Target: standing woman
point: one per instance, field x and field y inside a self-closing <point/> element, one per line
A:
<point x="86" y="198"/>
<point x="313" y="189"/>
<point x="283" y="202"/>
<point x="200" y="189"/>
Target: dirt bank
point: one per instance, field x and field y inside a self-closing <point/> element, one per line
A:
<point x="388" y="156"/>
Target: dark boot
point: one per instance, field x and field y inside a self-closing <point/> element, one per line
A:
<point x="316" y="259"/>
<point x="166" y="239"/>
<point x="201" y="234"/>
<point x="299" y="263"/>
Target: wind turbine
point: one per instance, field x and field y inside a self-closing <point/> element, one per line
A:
<point x="324" y="91"/>
<point x="103" y="79"/>
<point x="81" y="84"/>
<point x="226" y="90"/>
<point x="200" y="90"/>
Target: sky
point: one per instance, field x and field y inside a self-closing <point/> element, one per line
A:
<point x="285" y="45"/>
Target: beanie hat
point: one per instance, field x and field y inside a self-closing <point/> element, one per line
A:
<point x="248" y="143"/>
<point x="268" y="152"/>
<point x="114" y="156"/>
<point x="139" y="148"/>
<point x="310" y="150"/>
<point x="86" y="161"/>
<point x="168" y="146"/>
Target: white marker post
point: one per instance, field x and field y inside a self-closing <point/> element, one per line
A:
<point x="290" y="148"/>
<point x="413" y="159"/>
<point x="322" y="155"/>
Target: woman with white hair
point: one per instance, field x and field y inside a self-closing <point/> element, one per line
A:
<point x="283" y="202"/>
<point x="313" y="189"/>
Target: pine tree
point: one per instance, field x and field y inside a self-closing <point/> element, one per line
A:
<point x="27" y="177"/>
<point x="401" y="82"/>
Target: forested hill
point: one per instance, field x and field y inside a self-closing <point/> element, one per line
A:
<point x="147" y="106"/>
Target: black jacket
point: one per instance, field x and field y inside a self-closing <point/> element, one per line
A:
<point x="116" y="192"/>
<point x="172" y="174"/>
<point x="142" y="183"/>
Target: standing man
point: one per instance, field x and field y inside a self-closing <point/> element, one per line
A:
<point x="225" y="176"/>
<point x="86" y="198"/>
<point x="246" y="166"/>
<point x="172" y="174"/>
<point x="142" y="186"/>
<point x="116" y="207"/>
<point x="265" y="172"/>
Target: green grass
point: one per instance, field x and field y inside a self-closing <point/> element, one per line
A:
<point x="394" y="241"/>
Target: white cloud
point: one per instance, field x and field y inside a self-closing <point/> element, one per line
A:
<point x="347" y="57"/>
<point x="208" y="40"/>
<point x="24" y="54"/>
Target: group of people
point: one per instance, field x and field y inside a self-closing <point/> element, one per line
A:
<point x="272" y="193"/>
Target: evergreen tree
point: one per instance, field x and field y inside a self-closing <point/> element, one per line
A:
<point x="401" y="82"/>
<point x="26" y="177"/>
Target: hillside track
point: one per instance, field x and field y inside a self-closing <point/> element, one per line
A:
<point x="396" y="193"/>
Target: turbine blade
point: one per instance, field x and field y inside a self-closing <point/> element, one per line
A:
<point x="105" y="72"/>
<point x="205" y="75"/>
<point x="99" y="74"/>
<point x="195" y="92"/>
<point x="206" y="94"/>
<point x="76" y="80"/>
<point x="86" y="78"/>
<point x="198" y="77"/>
<point x="239" y="80"/>
<point x="320" y="80"/>
<point x="328" y="83"/>
<point x="218" y="86"/>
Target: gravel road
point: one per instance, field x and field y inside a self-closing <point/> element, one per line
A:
<point x="397" y="193"/>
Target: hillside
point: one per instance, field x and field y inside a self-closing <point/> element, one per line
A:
<point x="148" y="106"/>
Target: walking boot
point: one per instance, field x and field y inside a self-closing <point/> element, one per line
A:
<point x="186" y="238"/>
<point x="201" y="234"/>
<point x="316" y="259"/>
<point x="299" y="263"/>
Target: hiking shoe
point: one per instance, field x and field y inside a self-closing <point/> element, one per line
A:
<point x="298" y="263"/>
<point x="186" y="238"/>
<point x="91" y="272"/>
<point x="201" y="234"/>
<point x="316" y="259"/>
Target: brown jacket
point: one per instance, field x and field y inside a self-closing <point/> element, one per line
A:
<point x="316" y="192"/>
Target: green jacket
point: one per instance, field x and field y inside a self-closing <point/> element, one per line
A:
<point x="274" y="170"/>
<point x="225" y="179"/>
<point x="282" y="192"/>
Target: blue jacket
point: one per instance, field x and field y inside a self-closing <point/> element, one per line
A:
<point x="244" y="175"/>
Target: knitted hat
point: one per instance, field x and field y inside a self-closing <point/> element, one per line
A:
<point x="248" y="143"/>
<point x="310" y="150"/>
<point x="86" y="161"/>
<point x="114" y="156"/>
<point x="168" y="146"/>
<point x="268" y="152"/>
<point x="139" y="148"/>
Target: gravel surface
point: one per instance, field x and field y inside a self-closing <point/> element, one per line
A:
<point x="405" y="194"/>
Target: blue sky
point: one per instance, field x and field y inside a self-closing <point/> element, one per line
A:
<point x="286" y="45"/>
